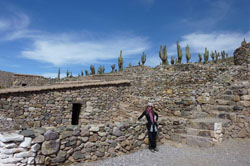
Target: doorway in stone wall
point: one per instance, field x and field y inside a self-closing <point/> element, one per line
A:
<point x="76" y="108"/>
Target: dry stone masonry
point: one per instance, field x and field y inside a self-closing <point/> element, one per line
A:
<point x="94" y="117"/>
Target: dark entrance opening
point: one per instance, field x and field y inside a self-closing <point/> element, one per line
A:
<point x="75" y="113"/>
<point x="23" y="84"/>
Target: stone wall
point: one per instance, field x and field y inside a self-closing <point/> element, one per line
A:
<point x="6" y="79"/>
<point x="70" y="144"/>
<point x="25" y="80"/>
<point x="53" y="107"/>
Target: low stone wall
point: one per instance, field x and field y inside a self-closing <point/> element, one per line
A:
<point x="25" y="80"/>
<point x="70" y="144"/>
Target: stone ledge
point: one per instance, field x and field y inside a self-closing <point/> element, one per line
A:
<point x="56" y="87"/>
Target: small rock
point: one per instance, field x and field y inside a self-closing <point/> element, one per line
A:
<point x="50" y="147"/>
<point x="78" y="155"/>
<point x="38" y="139"/>
<point x="50" y="135"/>
<point x="26" y="143"/>
<point x="8" y="137"/>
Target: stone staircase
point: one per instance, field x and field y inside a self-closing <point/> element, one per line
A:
<point x="202" y="132"/>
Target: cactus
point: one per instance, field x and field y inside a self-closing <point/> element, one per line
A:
<point x="71" y="75"/>
<point x="120" y="62"/>
<point x="217" y="55"/>
<point x="139" y="63"/>
<point x="86" y="72"/>
<point x="92" y="69"/>
<point x="59" y="72"/>
<point x="101" y="69"/>
<point x="143" y="58"/>
<point x="223" y="54"/>
<point x="172" y="60"/>
<point x="243" y="43"/>
<point x="188" y="55"/>
<point x="163" y="55"/>
<point x="179" y="52"/>
<point x="212" y="56"/>
<point x="129" y="65"/>
<point x="200" y="58"/>
<point x="67" y="73"/>
<point x="82" y="73"/>
<point x="113" y="68"/>
<point x="206" y="55"/>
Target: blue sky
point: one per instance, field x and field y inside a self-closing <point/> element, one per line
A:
<point x="39" y="36"/>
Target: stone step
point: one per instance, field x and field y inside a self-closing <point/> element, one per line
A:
<point x="209" y="123"/>
<point x="200" y="132"/>
<point x="223" y="115"/>
<point x="192" y="140"/>
<point x="226" y="108"/>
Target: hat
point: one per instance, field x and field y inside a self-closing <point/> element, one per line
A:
<point x="150" y="104"/>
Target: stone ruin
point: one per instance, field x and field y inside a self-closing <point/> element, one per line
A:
<point x="94" y="117"/>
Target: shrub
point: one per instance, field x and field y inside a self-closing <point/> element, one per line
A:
<point x="101" y="69"/>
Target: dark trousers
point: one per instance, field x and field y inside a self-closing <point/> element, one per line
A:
<point x="152" y="139"/>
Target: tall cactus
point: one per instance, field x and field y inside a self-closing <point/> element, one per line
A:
<point x="206" y="55"/>
<point x="143" y="58"/>
<point x="188" y="55"/>
<point x="86" y="72"/>
<point x="59" y="72"/>
<point x="120" y="62"/>
<point x="212" y="56"/>
<point x="82" y="73"/>
<point x="113" y="68"/>
<point x="223" y="54"/>
<point x="129" y="65"/>
<point x="179" y="52"/>
<point x="217" y="55"/>
<point x="163" y="55"/>
<point x="172" y="60"/>
<point x="67" y="73"/>
<point x="92" y="69"/>
<point x="101" y="69"/>
<point x="200" y="57"/>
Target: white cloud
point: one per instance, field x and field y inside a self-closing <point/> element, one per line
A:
<point x="66" y="49"/>
<point x="15" y="21"/>
<point x="197" y="42"/>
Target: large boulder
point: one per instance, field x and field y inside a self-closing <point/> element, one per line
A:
<point x="242" y="54"/>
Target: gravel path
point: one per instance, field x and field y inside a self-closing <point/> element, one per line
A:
<point x="229" y="153"/>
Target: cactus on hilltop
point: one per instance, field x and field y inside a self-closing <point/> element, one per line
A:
<point x="206" y="55"/>
<point x="113" y="68"/>
<point x="92" y="69"/>
<point x="200" y="57"/>
<point x="58" y="75"/>
<point x="101" y="69"/>
<point x="129" y="65"/>
<point x="172" y="60"/>
<point x="163" y="55"/>
<point x="179" y="53"/>
<point x="86" y="72"/>
<point x="243" y="43"/>
<point x="82" y="73"/>
<point x="120" y="62"/>
<point x="188" y="55"/>
<point x="67" y="73"/>
<point x="217" y="55"/>
<point x="223" y="54"/>
<point x="143" y="58"/>
<point x="212" y="56"/>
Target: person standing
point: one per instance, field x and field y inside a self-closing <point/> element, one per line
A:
<point x="152" y="118"/>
